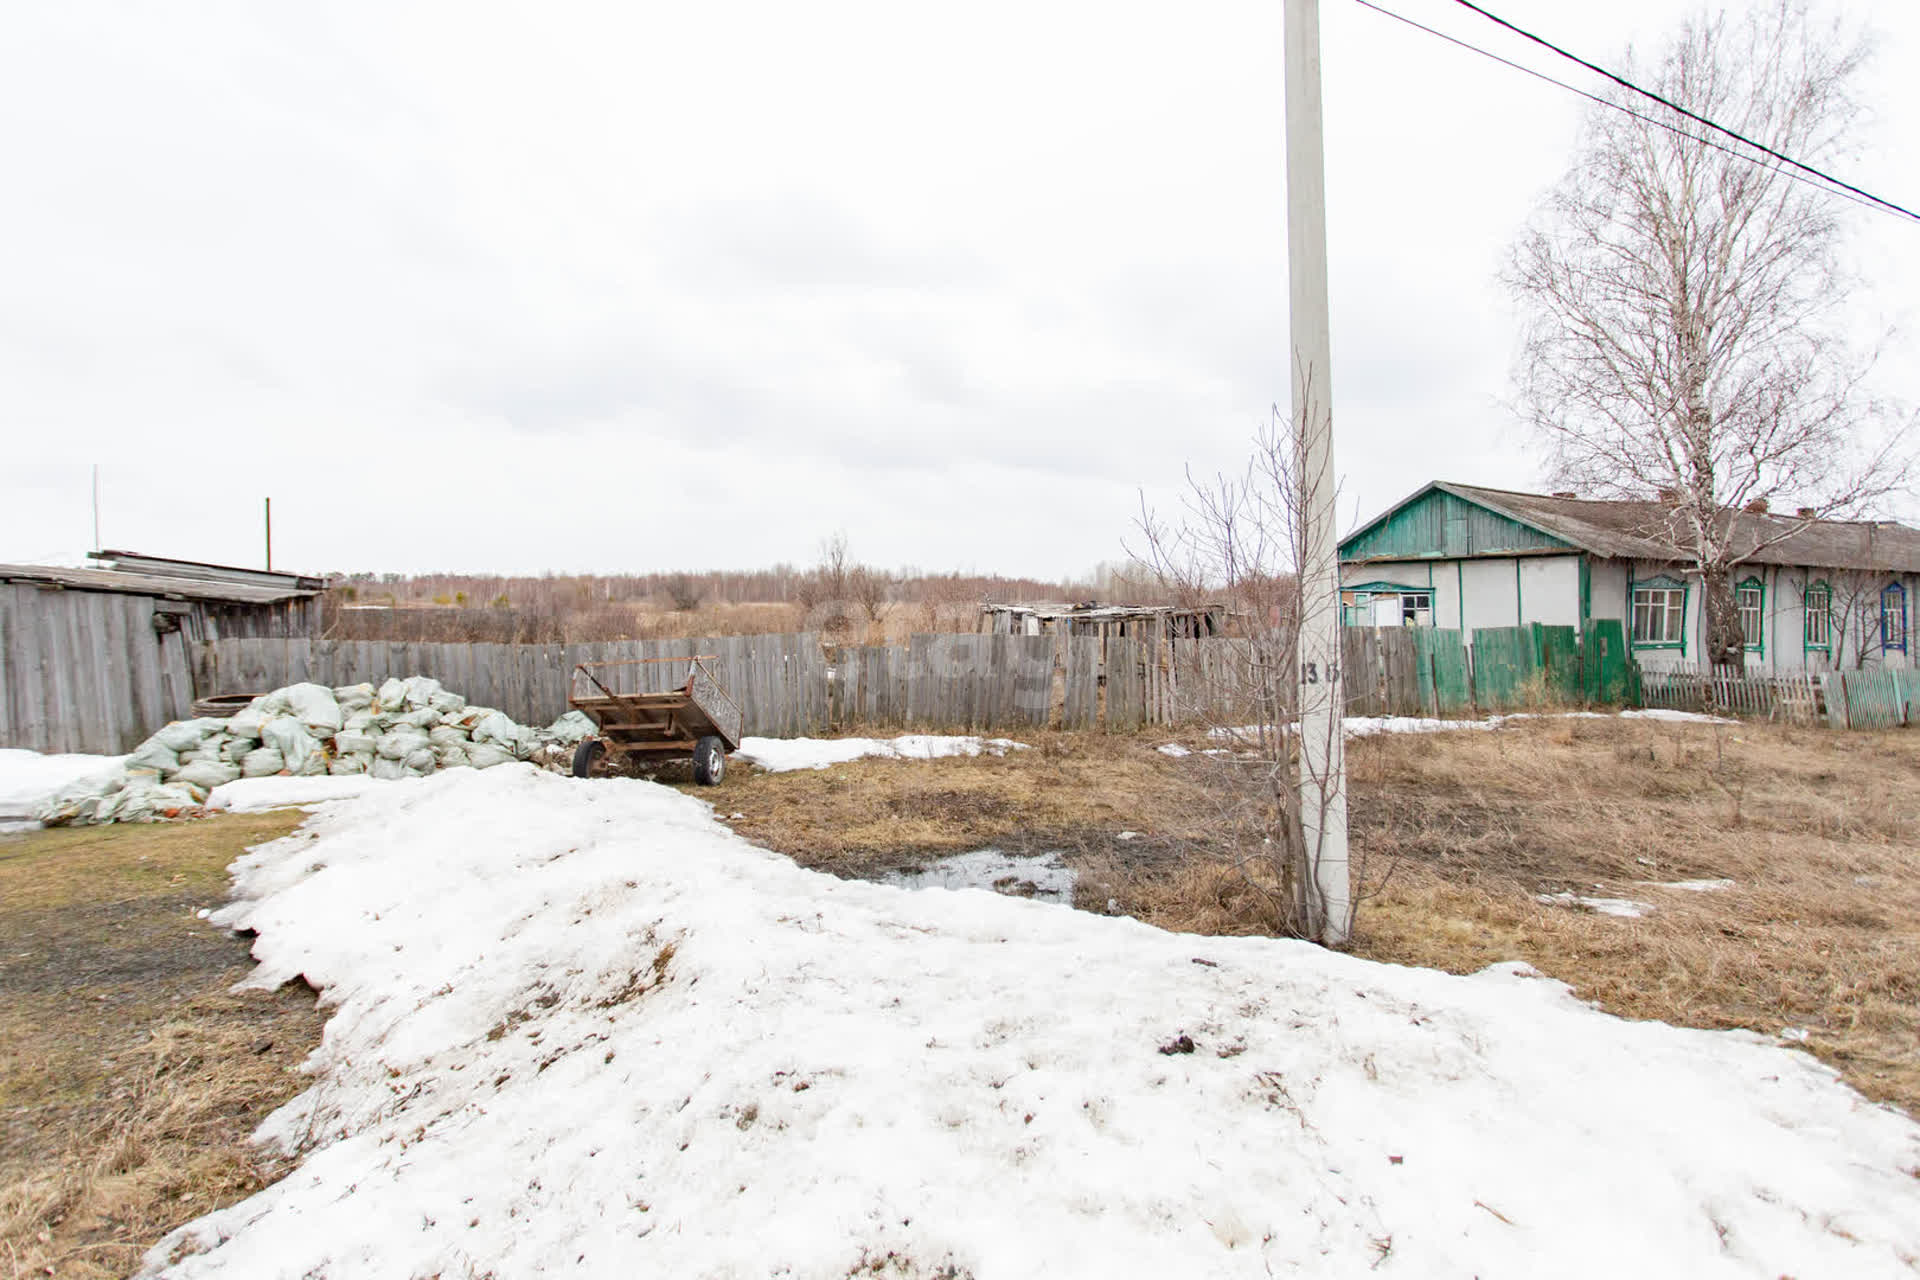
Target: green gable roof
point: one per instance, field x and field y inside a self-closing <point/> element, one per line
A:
<point x="1436" y="523"/>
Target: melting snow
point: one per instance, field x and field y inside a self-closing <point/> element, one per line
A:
<point x="1623" y="907"/>
<point x="578" y="1028"/>
<point x="28" y="779"/>
<point x="1043" y="877"/>
<point x="778" y="755"/>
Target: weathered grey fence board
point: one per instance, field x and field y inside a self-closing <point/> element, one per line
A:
<point x="1032" y="680"/>
<point x="1126" y="689"/>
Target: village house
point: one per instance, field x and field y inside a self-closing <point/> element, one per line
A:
<point x="1814" y="595"/>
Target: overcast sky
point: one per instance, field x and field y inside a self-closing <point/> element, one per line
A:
<point x="596" y="286"/>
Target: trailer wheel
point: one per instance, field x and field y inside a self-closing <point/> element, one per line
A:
<point x="709" y="761"/>
<point x="586" y="756"/>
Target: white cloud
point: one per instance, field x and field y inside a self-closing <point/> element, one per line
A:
<point x="597" y="286"/>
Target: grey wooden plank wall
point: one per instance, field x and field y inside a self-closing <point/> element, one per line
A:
<point x="86" y="671"/>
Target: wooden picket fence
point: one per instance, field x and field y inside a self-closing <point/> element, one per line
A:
<point x="789" y="685"/>
<point x="1794" y="697"/>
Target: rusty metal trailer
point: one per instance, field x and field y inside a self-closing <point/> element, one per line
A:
<point x="639" y="723"/>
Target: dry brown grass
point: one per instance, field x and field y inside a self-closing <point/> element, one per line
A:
<point x="1460" y="832"/>
<point x="130" y="1075"/>
<point x="1067" y="791"/>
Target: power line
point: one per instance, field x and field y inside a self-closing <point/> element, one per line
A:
<point x="1610" y="104"/>
<point x="1624" y="83"/>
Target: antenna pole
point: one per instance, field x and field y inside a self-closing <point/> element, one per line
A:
<point x="269" y="535"/>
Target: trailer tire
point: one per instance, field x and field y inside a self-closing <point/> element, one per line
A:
<point x="709" y="761"/>
<point x="586" y="756"/>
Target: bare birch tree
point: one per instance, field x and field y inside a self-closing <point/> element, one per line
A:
<point x="1684" y="303"/>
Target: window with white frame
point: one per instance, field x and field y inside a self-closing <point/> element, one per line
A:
<point x="1893" y="619"/>
<point x="1816" y="604"/>
<point x="1751" y="597"/>
<point x="1386" y="605"/>
<point x="1659" y="614"/>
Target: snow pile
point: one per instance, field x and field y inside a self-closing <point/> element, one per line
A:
<point x="28" y="779"/>
<point x="403" y="729"/>
<point x="780" y="755"/>
<point x="256" y="795"/>
<point x="580" y="1029"/>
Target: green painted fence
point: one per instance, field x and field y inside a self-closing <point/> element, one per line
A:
<point x="1446" y="684"/>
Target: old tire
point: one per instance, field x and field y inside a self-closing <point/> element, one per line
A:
<point x="709" y="761"/>
<point x="586" y="756"/>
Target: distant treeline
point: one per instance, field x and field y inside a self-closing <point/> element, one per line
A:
<point x="836" y="597"/>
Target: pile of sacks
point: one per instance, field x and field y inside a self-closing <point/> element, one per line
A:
<point x="403" y="729"/>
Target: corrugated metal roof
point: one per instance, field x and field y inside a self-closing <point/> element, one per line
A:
<point x="1640" y="531"/>
<point x="127" y="582"/>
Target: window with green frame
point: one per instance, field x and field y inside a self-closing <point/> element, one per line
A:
<point x="1659" y="614"/>
<point x="1751" y="599"/>
<point x="1816" y="607"/>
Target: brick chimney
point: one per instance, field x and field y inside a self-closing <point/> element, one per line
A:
<point x="1669" y="495"/>
<point x="1758" y="507"/>
<point x="1807" y="513"/>
<point x="1565" y="493"/>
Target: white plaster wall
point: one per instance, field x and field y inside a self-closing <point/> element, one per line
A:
<point x="1491" y="600"/>
<point x="1609" y="590"/>
<point x="1550" y="590"/>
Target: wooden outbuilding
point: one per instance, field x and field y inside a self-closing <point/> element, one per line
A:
<point x="1108" y="621"/>
<point x="96" y="659"/>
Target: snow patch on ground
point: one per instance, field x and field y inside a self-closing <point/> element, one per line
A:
<point x="578" y="1028"/>
<point x="29" y="779"/>
<point x="779" y="755"/>
<point x="1043" y="877"/>
<point x="1367" y="726"/>
<point x="1677" y="717"/>
<point x="1625" y="908"/>
<point x="1690" y="886"/>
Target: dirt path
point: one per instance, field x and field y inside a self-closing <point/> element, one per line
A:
<point x="130" y="1075"/>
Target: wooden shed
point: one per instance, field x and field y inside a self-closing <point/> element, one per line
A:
<point x="96" y="659"/>
<point x="1108" y="621"/>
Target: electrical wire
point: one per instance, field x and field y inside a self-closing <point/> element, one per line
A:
<point x="1624" y="83"/>
<point x="1609" y="103"/>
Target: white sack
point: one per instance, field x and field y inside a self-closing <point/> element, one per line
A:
<point x="314" y="706"/>
<point x="290" y="738"/>
<point x="262" y="763"/>
<point x="420" y="691"/>
<point x="484" y="755"/>
<point x="353" y="697"/>
<point x="206" y="774"/>
<point x="154" y="755"/>
<point x="397" y="744"/>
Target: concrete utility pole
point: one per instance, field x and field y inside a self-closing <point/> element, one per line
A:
<point x="1322" y="684"/>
